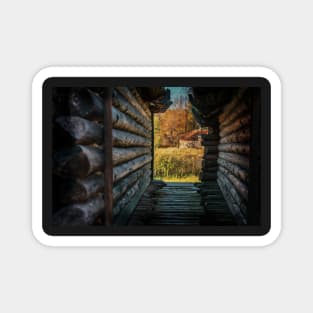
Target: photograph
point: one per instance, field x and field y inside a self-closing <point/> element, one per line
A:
<point x="155" y="156"/>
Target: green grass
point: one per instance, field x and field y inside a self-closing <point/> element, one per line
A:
<point x="177" y="164"/>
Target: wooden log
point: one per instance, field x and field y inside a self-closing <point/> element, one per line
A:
<point x="80" y="190"/>
<point x="125" y="139"/>
<point x="108" y="166"/>
<point x="133" y="101"/>
<point x="228" y="108"/>
<point x="124" y="208"/>
<point x="124" y="184"/>
<point x="241" y="136"/>
<point x="77" y="130"/>
<point x="122" y="105"/>
<point x="236" y="125"/>
<point x="84" y="213"/>
<point x="235" y="158"/>
<point x="78" y="161"/>
<point x="241" y="108"/>
<point x="144" y="104"/>
<point x="125" y="169"/>
<point x="121" y="155"/>
<point x="236" y="170"/>
<point x="87" y="104"/>
<point x="241" y="188"/>
<point x="234" y="148"/>
<point x="123" y="122"/>
<point x="234" y="201"/>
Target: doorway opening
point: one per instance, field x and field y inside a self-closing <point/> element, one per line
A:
<point x="177" y="139"/>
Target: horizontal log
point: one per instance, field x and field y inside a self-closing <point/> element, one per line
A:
<point x="80" y="190"/>
<point x="241" y="108"/>
<point x="124" y="208"/>
<point x="124" y="184"/>
<point x="125" y="139"/>
<point x="122" y="105"/>
<point x="77" y="130"/>
<point x="241" y="188"/>
<point x="236" y="125"/>
<point x="132" y="100"/>
<point x="238" y="137"/>
<point x="125" y="169"/>
<point x="231" y="105"/>
<point x="234" y="148"/>
<point x="235" y="203"/>
<point x="143" y="103"/>
<point x="87" y="104"/>
<point x="84" y="213"/>
<point x="235" y="158"/>
<point x="124" y="122"/>
<point x="236" y="170"/>
<point x="78" y="161"/>
<point x="121" y="155"/>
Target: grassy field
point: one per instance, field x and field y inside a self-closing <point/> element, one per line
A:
<point x="177" y="165"/>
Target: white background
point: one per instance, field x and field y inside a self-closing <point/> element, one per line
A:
<point x="35" y="34"/>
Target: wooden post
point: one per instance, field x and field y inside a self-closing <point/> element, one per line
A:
<point x="152" y="145"/>
<point x="108" y="164"/>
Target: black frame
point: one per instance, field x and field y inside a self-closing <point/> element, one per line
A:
<point x="264" y="199"/>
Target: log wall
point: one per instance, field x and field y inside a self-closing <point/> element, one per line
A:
<point x="79" y="159"/>
<point x="233" y="154"/>
<point x="132" y="151"/>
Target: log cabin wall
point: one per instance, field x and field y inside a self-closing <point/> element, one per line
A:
<point x="79" y="156"/>
<point x="233" y="153"/>
<point x="132" y="151"/>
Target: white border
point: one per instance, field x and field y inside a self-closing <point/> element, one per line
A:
<point x="147" y="241"/>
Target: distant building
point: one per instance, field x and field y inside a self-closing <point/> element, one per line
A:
<point x="192" y="139"/>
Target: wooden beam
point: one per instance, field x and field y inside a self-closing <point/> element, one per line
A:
<point x="108" y="166"/>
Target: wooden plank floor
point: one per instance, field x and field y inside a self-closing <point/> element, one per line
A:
<point x="180" y="204"/>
